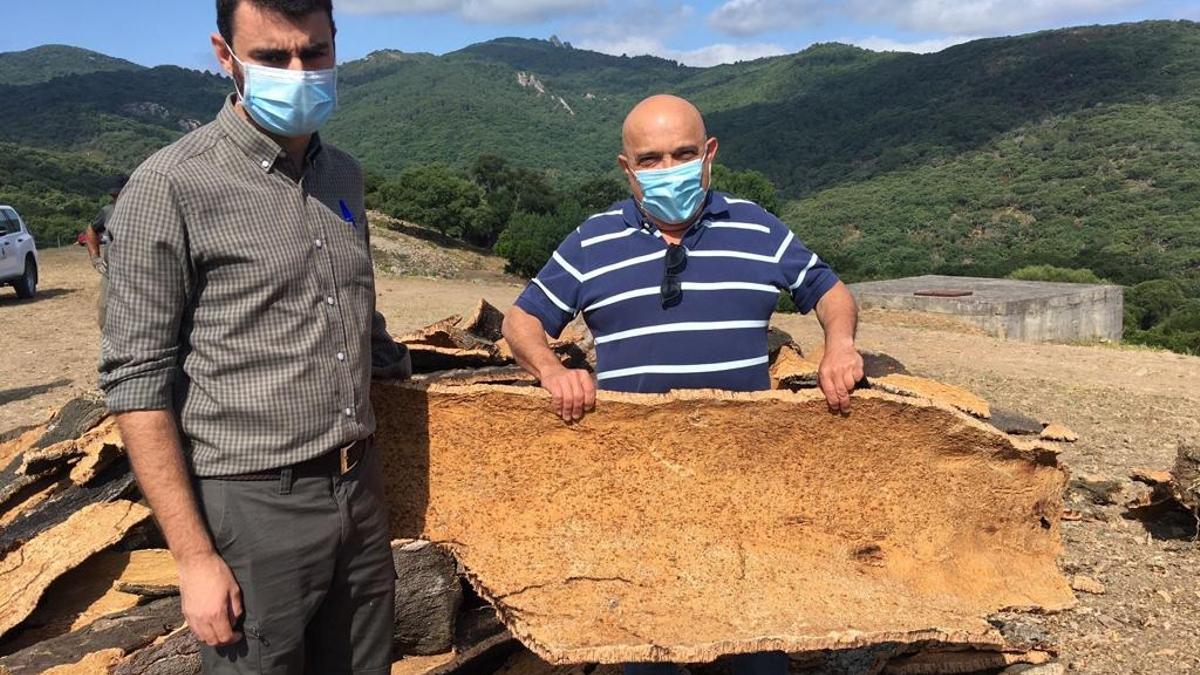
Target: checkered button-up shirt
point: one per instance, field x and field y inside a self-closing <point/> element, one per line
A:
<point x="243" y="299"/>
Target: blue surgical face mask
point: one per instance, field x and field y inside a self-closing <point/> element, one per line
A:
<point x="674" y="195"/>
<point x="290" y="103"/>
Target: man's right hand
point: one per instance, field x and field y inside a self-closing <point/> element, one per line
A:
<point x="100" y="265"/>
<point x="212" y="599"/>
<point x="573" y="391"/>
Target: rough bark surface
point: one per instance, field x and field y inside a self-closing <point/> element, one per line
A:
<point x="686" y="526"/>
<point x="429" y="359"/>
<point x="1187" y="477"/>
<point x="937" y="662"/>
<point x="26" y="572"/>
<point x="515" y="375"/>
<point x="114" y="483"/>
<point x="76" y="599"/>
<point x="73" y="420"/>
<point x="428" y="595"/>
<point x="790" y="370"/>
<point x="481" y="643"/>
<point x="178" y="654"/>
<point x="939" y="392"/>
<point x="127" y="631"/>
<point x="485" y="322"/>
<point x="96" y="663"/>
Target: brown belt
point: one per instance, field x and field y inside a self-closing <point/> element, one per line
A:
<point x="336" y="463"/>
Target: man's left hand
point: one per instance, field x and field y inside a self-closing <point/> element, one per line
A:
<point x="841" y="368"/>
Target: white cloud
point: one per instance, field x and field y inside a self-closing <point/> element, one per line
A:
<point x="710" y="55"/>
<point x="883" y="44"/>
<point x="974" y="16"/>
<point x="657" y="24"/>
<point x="748" y="17"/>
<point x="958" y="17"/>
<point x="480" y="11"/>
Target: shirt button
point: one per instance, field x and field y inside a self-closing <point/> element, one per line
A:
<point x="266" y="164"/>
<point x="318" y="243"/>
<point x="349" y="412"/>
<point x="329" y="301"/>
<point x="341" y="356"/>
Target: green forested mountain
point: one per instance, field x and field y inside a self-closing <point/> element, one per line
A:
<point x="1075" y="148"/>
<point x="42" y="64"/>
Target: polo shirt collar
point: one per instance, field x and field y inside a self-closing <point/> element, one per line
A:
<point x="258" y="146"/>
<point x="714" y="205"/>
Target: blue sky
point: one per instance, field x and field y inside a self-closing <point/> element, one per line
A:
<point x="701" y="32"/>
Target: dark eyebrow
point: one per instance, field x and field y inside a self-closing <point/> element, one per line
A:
<point x="648" y="155"/>
<point x="686" y="148"/>
<point x="278" y="54"/>
<point x="317" y="49"/>
<point x="269" y="54"/>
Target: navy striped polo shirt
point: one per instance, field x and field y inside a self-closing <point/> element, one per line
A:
<point x="739" y="258"/>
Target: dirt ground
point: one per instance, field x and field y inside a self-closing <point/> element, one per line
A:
<point x="1131" y="408"/>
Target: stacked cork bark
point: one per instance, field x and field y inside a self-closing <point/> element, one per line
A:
<point x="676" y="527"/>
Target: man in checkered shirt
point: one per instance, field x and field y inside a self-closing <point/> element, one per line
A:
<point x="237" y="356"/>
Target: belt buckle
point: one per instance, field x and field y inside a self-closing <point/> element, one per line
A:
<point x="345" y="466"/>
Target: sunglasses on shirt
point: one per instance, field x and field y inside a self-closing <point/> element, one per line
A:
<point x="671" y="291"/>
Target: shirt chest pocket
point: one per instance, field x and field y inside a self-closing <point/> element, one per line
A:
<point x="343" y="247"/>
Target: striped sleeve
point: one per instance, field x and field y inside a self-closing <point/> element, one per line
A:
<point x="807" y="277"/>
<point x="553" y="295"/>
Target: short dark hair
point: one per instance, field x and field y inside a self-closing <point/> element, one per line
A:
<point x="294" y="9"/>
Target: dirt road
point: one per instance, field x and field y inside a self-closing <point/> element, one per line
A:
<point x="1130" y="407"/>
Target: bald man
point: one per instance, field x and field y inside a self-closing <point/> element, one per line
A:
<point x="678" y="285"/>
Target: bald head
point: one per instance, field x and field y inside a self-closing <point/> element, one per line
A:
<point x="662" y="119"/>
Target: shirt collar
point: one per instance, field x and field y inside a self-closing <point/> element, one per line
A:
<point x="714" y="205"/>
<point x="258" y="146"/>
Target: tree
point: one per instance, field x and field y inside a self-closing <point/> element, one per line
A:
<point x="434" y="196"/>
<point x="751" y="185"/>
<point x="531" y="238"/>
<point x="1058" y="274"/>
<point x="600" y="192"/>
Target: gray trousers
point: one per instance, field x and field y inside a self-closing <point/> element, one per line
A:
<point x="313" y="559"/>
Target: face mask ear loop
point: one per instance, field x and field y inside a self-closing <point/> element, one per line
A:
<point x="236" y="89"/>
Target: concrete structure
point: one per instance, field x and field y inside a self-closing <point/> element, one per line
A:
<point x="1032" y="311"/>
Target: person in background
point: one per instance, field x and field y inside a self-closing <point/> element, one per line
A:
<point x="678" y="285"/>
<point x="97" y="238"/>
<point x="237" y="357"/>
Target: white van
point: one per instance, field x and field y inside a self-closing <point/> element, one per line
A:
<point x="18" y="254"/>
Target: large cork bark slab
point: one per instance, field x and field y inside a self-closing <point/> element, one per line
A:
<point x="56" y="452"/>
<point x="76" y="599"/>
<point x="127" y="631"/>
<point x="116" y="482"/>
<point x="691" y="525"/>
<point x="26" y="572"/>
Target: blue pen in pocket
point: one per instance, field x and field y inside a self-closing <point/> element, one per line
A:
<point x="347" y="214"/>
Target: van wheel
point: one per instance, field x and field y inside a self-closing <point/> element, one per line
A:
<point x="27" y="285"/>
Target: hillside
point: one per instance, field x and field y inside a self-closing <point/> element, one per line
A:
<point x="1074" y="147"/>
<point x="44" y="63"/>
